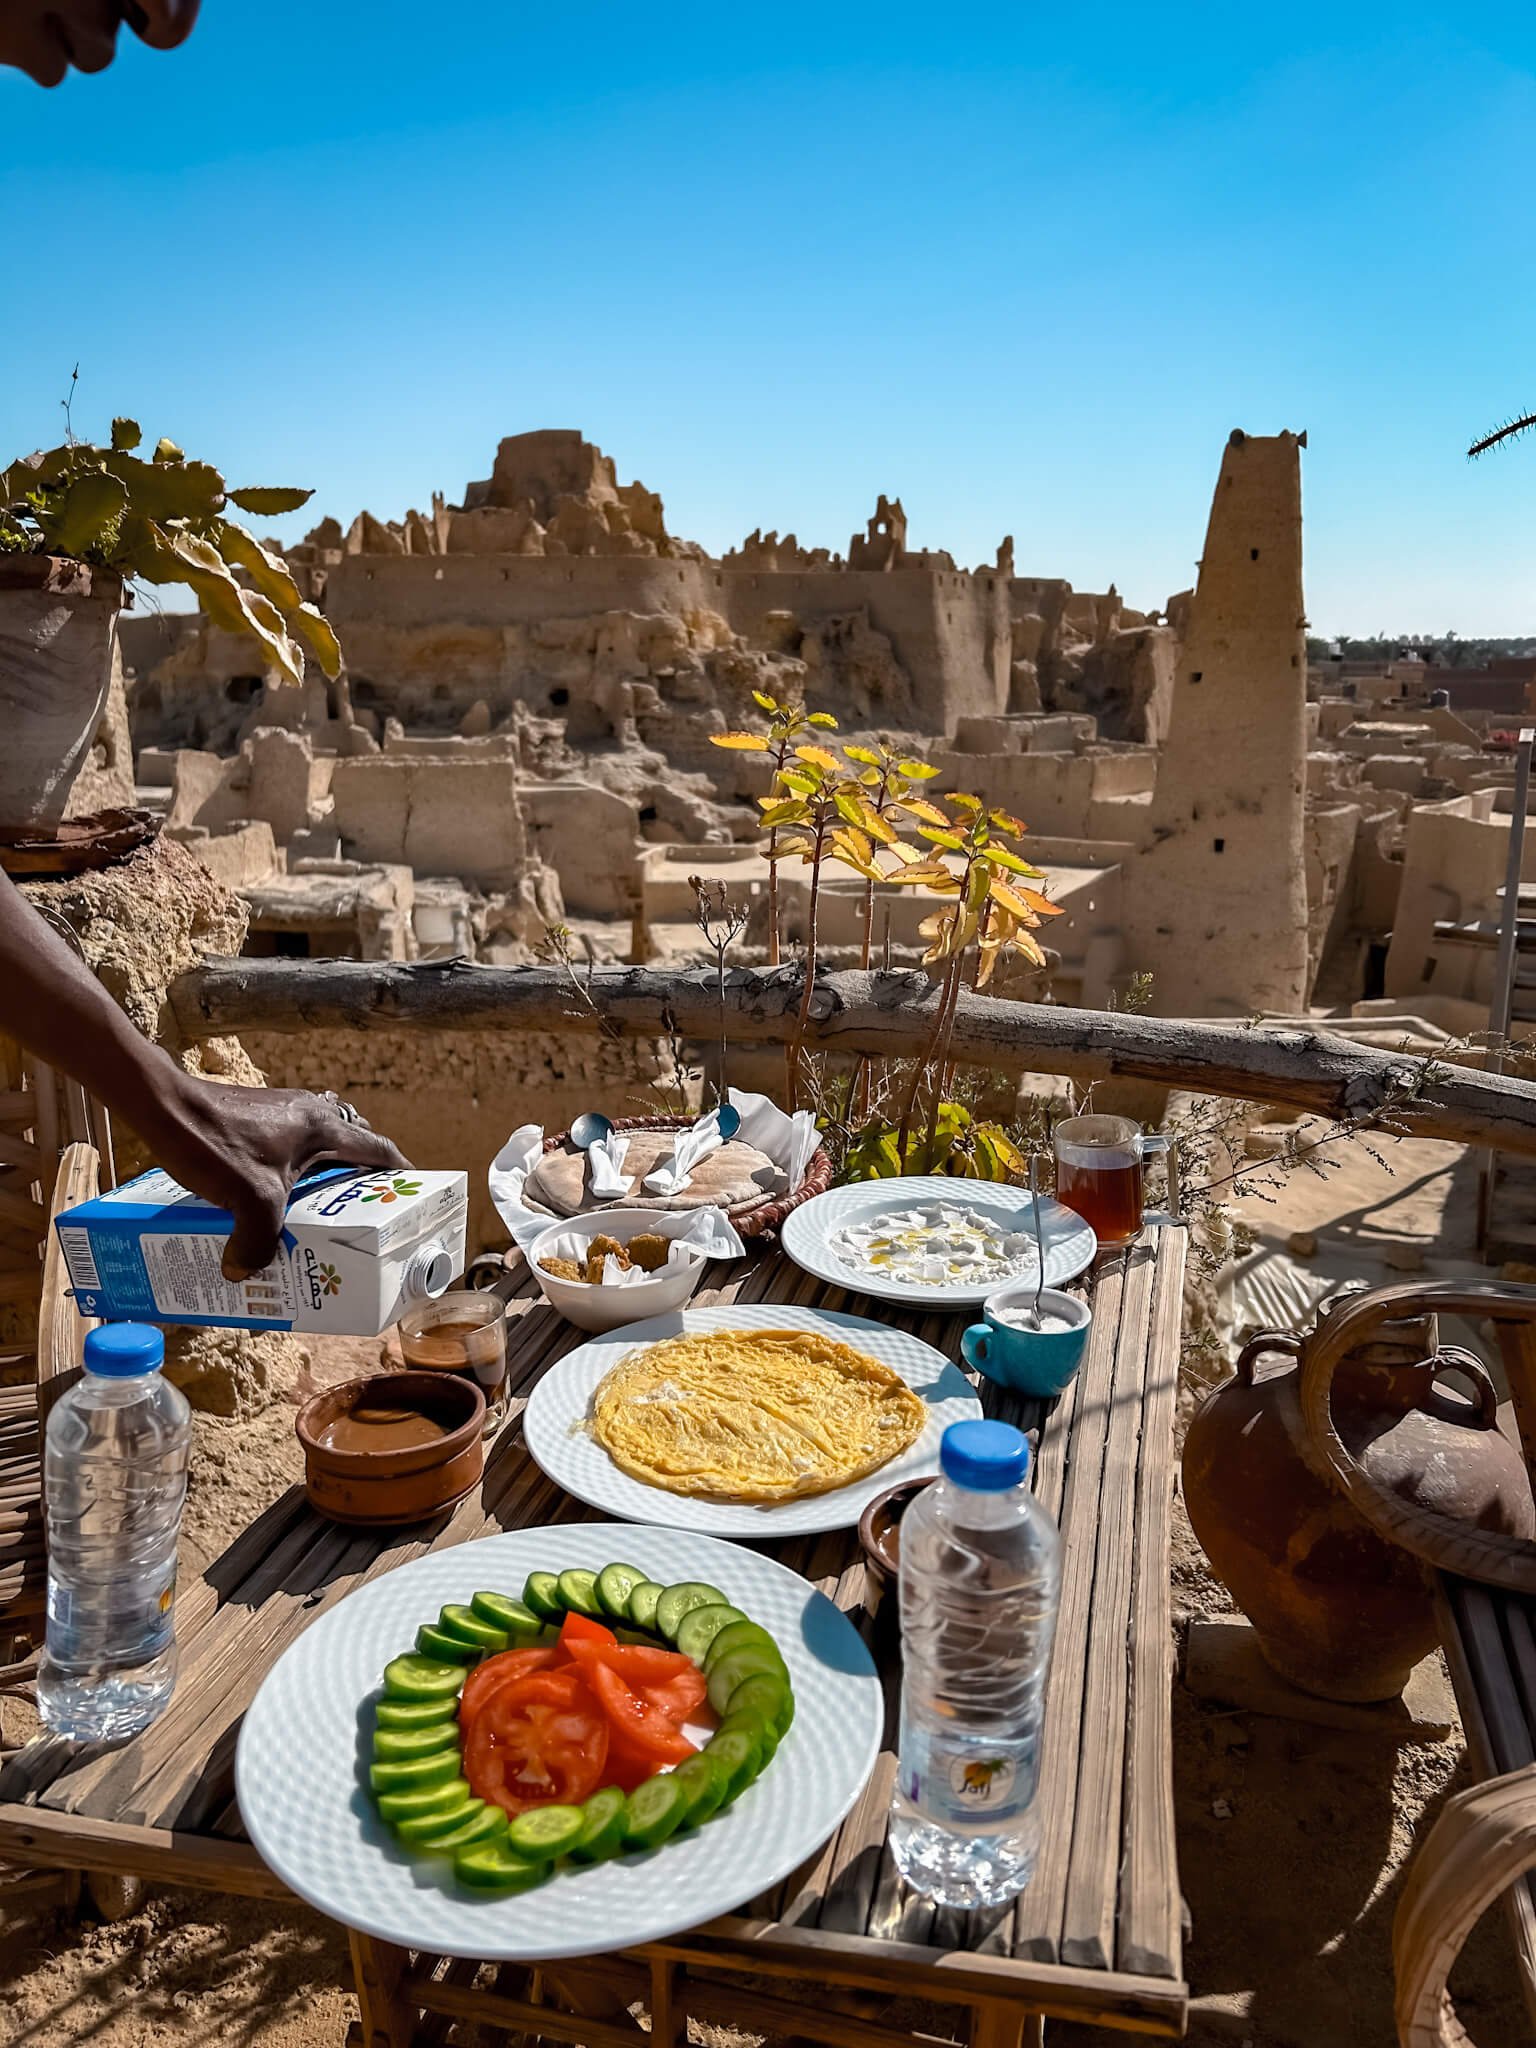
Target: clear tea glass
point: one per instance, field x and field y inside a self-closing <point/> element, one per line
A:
<point x="1099" y="1173"/>
<point x="466" y="1334"/>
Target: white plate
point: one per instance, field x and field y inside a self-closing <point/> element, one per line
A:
<point x="298" y="1768"/>
<point x="554" y="1423"/>
<point x="807" y="1235"/>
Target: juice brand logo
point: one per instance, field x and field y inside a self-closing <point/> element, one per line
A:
<point x="384" y="1187"/>
<point x="982" y="1779"/>
<point x="321" y="1280"/>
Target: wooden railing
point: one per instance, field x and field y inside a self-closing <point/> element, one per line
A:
<point x="1297" y="1066"/>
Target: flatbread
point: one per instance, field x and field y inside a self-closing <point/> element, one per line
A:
<point x="734" y="1177"/>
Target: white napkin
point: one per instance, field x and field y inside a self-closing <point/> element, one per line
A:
<point x="604" y="1180"/>
<point x="692" y="1145"/>
<point x="695" y="1233"/>
<point x="789" y="1141"/>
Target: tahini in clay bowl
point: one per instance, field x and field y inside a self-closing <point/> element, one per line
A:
<point x="880" y="1534"/>
<point x="371" y="1487"/>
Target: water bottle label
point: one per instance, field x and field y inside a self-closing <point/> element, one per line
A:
<point x="958" y="1785"/>
<point x="137" y="1623"/>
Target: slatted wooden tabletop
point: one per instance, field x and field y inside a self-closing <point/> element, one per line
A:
<point x="1097" y="1933"/>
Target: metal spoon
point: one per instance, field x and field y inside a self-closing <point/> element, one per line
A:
<point x="590" y="1129"/>
<point x="1034" y="1210"/>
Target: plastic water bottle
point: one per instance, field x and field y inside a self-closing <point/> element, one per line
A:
<point x="980" y="1580"/>
<point x="115" y="1477"/>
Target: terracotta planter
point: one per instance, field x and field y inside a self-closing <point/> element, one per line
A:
<point x="1340" y="1610"/>
<point x="57" y="620"/>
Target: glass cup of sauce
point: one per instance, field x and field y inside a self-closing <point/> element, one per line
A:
<point x="466" y="1334"/>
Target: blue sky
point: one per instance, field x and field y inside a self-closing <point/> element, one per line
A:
<point x="1025" y="267"/>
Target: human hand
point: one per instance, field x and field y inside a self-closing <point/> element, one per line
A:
<point x="44" y="37"/>
<point x="244" y="1148"/>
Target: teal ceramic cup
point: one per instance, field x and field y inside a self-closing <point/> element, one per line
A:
<point x="1039" y="1362"/>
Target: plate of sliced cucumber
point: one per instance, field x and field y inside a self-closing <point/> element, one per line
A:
<point x="558" y="1741"/>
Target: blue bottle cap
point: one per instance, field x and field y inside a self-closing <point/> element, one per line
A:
<point x="120" y="1351"/>
<point x="986" y="1457"/>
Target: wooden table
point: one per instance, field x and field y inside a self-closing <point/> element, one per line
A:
<point x="826" y="1956"/>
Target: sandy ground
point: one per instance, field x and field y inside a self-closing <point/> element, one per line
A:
<point x="1292" y="1839"/>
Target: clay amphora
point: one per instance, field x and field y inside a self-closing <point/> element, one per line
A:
<point x="1339" y="1610"/>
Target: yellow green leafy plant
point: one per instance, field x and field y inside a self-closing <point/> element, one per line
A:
<point x="853" y="812"/>
<point x="163" y="519"/>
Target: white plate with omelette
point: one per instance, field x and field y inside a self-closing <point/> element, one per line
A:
<point x="754" y="1420"/>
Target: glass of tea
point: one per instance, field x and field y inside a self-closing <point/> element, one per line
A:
<point x="464" y="1333"/>
<point x="1099" y="1173"/>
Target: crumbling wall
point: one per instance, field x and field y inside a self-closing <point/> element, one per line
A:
<point x="451" y="1099"/>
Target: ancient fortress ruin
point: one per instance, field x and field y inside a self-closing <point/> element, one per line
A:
<point x="521" y="738"/>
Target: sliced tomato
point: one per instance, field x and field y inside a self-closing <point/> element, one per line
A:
<point x="494" y="1673"/>
<point x="537" y="1741"/>
<point x="580" y="1628"/>
<point x="639" y="1663"/>
<point x="678" y="1697"/>
<point x="638" y="1727"/>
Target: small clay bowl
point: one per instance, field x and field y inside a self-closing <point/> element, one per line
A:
<point x="380" y="1488"/>
<point x="880" y="1531"/>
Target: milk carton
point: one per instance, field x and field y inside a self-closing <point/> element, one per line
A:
<point x="357" y="1250"/>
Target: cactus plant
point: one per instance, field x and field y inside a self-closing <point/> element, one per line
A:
<point x="164" y="520"/>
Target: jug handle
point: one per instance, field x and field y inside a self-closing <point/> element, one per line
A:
<point x="1454" y="1358"/>
<point x="1438" y="1540"/>
<point x="1260" y="1342"/>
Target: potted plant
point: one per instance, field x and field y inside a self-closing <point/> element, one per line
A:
<point x="77" y="523"/>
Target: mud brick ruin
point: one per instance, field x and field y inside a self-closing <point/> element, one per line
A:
<point x="521" y="737"/>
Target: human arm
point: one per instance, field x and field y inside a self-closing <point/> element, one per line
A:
<point x="242" y="1148"/>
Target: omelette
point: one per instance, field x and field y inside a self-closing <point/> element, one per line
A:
<point x="753" y="1415"/>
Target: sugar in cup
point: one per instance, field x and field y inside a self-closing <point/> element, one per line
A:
<point x="1007" y="1349"/>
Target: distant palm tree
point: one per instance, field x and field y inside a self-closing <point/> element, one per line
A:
<point x="1510" y="431"/>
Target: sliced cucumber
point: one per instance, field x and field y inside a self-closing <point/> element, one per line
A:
<point x="415" y="1713"/>
<point x="602" y="1828"/>
<point x="700" y="1625"/>
<point x="681" y="1599"/>
<point x="489" y="1826"/>
<point x="751" y="1660"/>
<point x="762" y="1732"/>
<point x="578" y="1593"/>
<point x="422" y="1678"/>
<point x="389" y="1743"/>
<point x="520" y="1623"/>
<point x="737" y="1637"/>
<point x="642" y="1604"/>
<point x="496" y="1866"/>
<point x="444" y="1798"/>
<point x="654" y="1811"/>
<point x="706" y="1782"/>
<point x="615" y="1583"/>
<point x="465" y="1626"/>
<point x="431" y="1827"/>
<point x="541" y="1593"/>
<point x="547" y="1831"/>
<point x="739" y="1755"/>
<point x="767" y="1695"/>
<point x="431" y="1642"/>
<point x="415" y="1771"/>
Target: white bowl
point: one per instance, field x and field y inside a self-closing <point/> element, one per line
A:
<point x="609" y="1308"/>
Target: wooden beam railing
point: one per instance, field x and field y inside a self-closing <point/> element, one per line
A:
<point x="1298" y="1066"/>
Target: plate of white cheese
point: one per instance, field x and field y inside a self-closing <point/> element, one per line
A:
<point x="934" y="1241"/>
